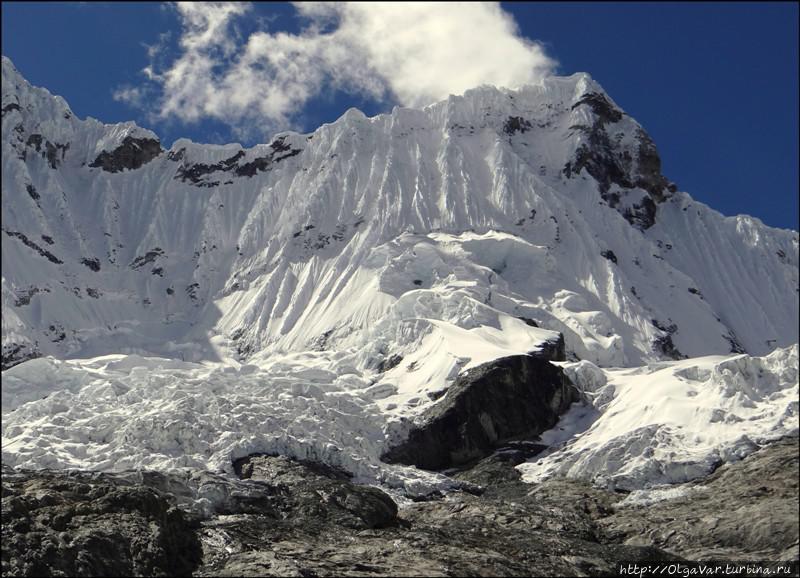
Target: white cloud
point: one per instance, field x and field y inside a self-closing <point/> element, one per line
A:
<point x="411" y="53"/>
<point x="131" y="95"/>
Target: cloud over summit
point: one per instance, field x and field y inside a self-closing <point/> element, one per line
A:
<point x="409" y="53"/>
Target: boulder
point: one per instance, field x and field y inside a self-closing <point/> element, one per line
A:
<point x="512" y="398"/>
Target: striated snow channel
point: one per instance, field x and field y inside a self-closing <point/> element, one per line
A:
<point x="669" y="422"/>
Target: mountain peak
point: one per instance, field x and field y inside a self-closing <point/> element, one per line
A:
<point x="329" y="290"/>
<point x="545" y="174"/>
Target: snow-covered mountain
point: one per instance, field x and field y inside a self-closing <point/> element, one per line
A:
<point x="355" y="269"/>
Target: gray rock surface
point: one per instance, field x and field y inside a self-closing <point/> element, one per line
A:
<point x="298" y="519"/>
<point x="84" y="524"/>
<point x="743" y="511"/>
<point x="311" y="491"/>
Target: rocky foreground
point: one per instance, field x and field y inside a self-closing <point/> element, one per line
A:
<point x="285" y="518"/>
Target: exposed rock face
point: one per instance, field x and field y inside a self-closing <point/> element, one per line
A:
<point x="299" y="486"/>
<point x="15" y="353"/>
<point x="743" y="511"/>
<point x="554" y="350"/>
<point x="620" y="166"/>
<point x="515" y="397"/>
<point x="28" y="243"/>
<point x="516" y="124"/>
<point x="199" y="173"/>
<point x="57" y="524"/>
<point x="53" y="152"/>
<point x="131" y="154"/>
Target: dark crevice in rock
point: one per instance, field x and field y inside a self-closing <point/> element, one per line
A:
<point x="132" y="154"/>
<point x="35" y="140"/>
<point x="32" y="192"/>
<point x="56" y="333"/>
<point x="250" y="169"/>
<point x="663" y="344"/>
<point x="176" y="155"/>
<point x="733" y="341"/>
<point x="51" y="152"/>
<point x="191" y="291"/>
<point x="321" y="342"/>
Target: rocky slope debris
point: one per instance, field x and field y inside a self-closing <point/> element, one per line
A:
<point x="287" y="518"/>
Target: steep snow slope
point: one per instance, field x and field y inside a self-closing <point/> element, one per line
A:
<point x="354" y="271"/>
<point x="545" y="203"/>
<point x="669" y="422"/>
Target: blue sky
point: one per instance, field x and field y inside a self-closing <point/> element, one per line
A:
<point x="715" y="84"/>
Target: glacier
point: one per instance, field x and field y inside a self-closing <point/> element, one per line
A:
<point x="183" y="307"/>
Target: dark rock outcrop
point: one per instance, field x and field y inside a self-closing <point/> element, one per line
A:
<point x="197" y="173"/>
<point x="296" y="489"/>
<point x="388" y="363"/>
<point x="515" y="124"/>
<point x="609" y="254"/>
<point x="627" y="167"/>
<point x="131" y="154"/>
<point x="513" y="398"/>
<point x="24" y="296"/>
<point x="33" y="245"/>
<point x="663" y="344"/>
<point x="93" y="263"/>
<point x="15" y="353"/>
<point x="83" y="524"/>
<point x="48" y="150"/>
<point x="553" y="350"/>
<point x="601" y="107"/>
<point x="149" y="257"/>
